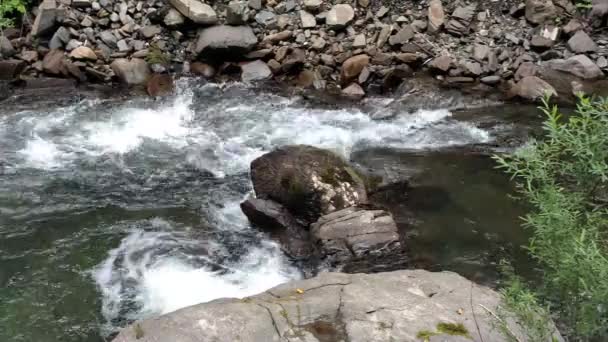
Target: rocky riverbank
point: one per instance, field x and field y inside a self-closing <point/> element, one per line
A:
<point x="352" y="48"/>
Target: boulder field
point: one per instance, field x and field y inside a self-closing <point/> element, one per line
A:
<point x="351" y="48"/>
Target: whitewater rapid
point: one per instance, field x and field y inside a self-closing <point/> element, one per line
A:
<point x="162" y="265"/>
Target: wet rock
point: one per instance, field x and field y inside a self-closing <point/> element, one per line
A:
<point x="540" y="11"/>
<point x="83" y="53"/>
<point x="255" y="71"/>
<point x="6" y="47"/>
<point x="53" y="63"/>
<point x="533" y="88"/>
<point x="338" y="307"/>
<point x="132" y="72"/>
<point x="402" y="36"/>
<point x="294" y="61"/>
<point x="160" y="85"/>
<point x="354" y="233"/>
<point x="353" y="91"/>
<point x="579" y="65"/>
<point x="436" y="16"/>
<point x="196" y="11"/>
<point x="441" y="64"/>
<point x="273" y="218"/>
<point x="47" y="18"/>
<point x="173" y="18"/>
<point x="461" y="20"/>
<point x="395" y="76"/>
<point x="308" y="20"/>
<point x="580" y="42"/>
<point x="340" y="16"/>
<point x="353" y="66"/>
<point x="202" y="69"/>
<point x="11" y="68"/>
<point x="308" y="181"/>
<point x="225" y="41"/>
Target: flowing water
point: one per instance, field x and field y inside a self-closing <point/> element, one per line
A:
<point x="113" y="210"/>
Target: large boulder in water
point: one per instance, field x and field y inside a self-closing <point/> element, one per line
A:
<point x="225" y="41"/>
<point x="308" y="181"/>
<point x="408" y="305"/>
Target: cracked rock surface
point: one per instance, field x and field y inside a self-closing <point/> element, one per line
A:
<point x="392" y="306"/>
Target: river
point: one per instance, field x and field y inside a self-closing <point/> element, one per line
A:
<point x="113" y="210"/>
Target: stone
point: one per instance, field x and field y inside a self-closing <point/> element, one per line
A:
<point x="72" y="44"/>
<point x="132" y="72"/>
<point x="173" y="18"/>
<point x="274" y="219"/>
<point x="602" y="62"/>
<point x="572" y="26"/>
<point x="441" y="64"/>
<point x="339" y="16"/>
<point x="359" y="41"/>
<point x="395" y="76"/>
<point x="255" y="71"/>
<point x="353" y="91"/>
<point x="202" y="69"/>
<point x="318" y="44"/>
<point x="539" y="43"/>
<point x="353" y="233"/>
<point x="402" y="36"/>
<point x="525" y="69"/>
<point x="461" y="20"/>
<point x="306" y="78"/>
<point x="123" y="46"/>
<point x="6" y="47"/>
<point x="60" y="38"/>
<point x="599" y="12"/>
<point x="384" y="35"/>
<point x="313" y="5"/>
<point x="294" y="61"/>
<point x="364" y="75"/>
<point x="490" y="80"/>
<point x="87" y="22"/>
<point x="197" y="11"/>
<point x="480" y="52"/>
<point x="419" y="25"/>
<point x="278" y="37"/>
<point x="580" y="42"/>
<point x="382" y="12"/>
<point x="11" y="68"/>
<point x="308" y="181"/>
<point x="274" y="66"/>
<point x="472" y="68"/>
<point x="81" y="3"/>
<point x="579" y="65"/>
<point x="308" y="20"/>
<point x="160" y="85"/>
<point x="29" y="56"/>
<point x="83" y="53"/>
<point x="409" y="57"/>
<point x="353" y="66"/>
<point x="48" y="14"/>
<point x="108" y="38"/>
<point x="266" y="18"/>
<point x="540" y="11"/>
<point x="150" y="31"/>
<point x="255" y="4"/>
<point x="224" y="40"/>
<point x="533" y="88"/>
<point x="332" y="307"/>
<point x="363" y="3"/>
<point x="53" y="63"/>
<point x="236" y="13"/>
<point x="436" y="16"/>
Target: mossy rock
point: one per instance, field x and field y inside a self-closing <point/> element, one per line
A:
<point x="308" y="181"/>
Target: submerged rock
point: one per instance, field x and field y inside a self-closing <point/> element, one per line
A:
<point x="401" y="306"/>
<point x="308" y="181"/>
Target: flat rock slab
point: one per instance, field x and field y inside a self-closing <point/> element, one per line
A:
<point x="394" y="306"/>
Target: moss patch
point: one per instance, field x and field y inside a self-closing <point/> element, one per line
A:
<point x="453" y="329"/>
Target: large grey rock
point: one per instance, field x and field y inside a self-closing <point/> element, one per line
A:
<point x="540" y="11"/>
<point x="60" y="38"/>
<point x="255" y="71"/>
<point x="339" y="16"/>
<point x="197" y="11"/>
<point x="132" y="72"/>
<point x="108" y="38"/>
<point x="579" y="65"/>
<point x="11" y="68"/>
<point x="357" y="240"/>
<point x="461" y="20"/>
<point x="308" y="20"/>
<point x="47" y="18"/>
<point x="533" y="88"/>
<point x="6" y="47"/>
<point x="224" y="40"/>
<point x="308" y="181"/>
<point x="402" y="36"/>
<point x="237" y="13"/>
<point x="266" y="18"/>
<point x="173" y="18"/>
<point x="436" y="16"/>
<point x="390" y="306"/>
<point x="580" y="42"/>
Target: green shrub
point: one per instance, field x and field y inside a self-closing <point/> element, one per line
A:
<point x="8" y="10"/>
<point x="564" y="177"/>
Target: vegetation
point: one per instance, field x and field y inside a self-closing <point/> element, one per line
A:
<point x="453" y="329"/>
<point x="9" y="10"/>
<point x="564" y="177"/>
<point x="156" y="56"/>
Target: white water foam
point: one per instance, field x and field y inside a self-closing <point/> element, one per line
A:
<point x="40" y="153"/>
<point x="156" y="272"/>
